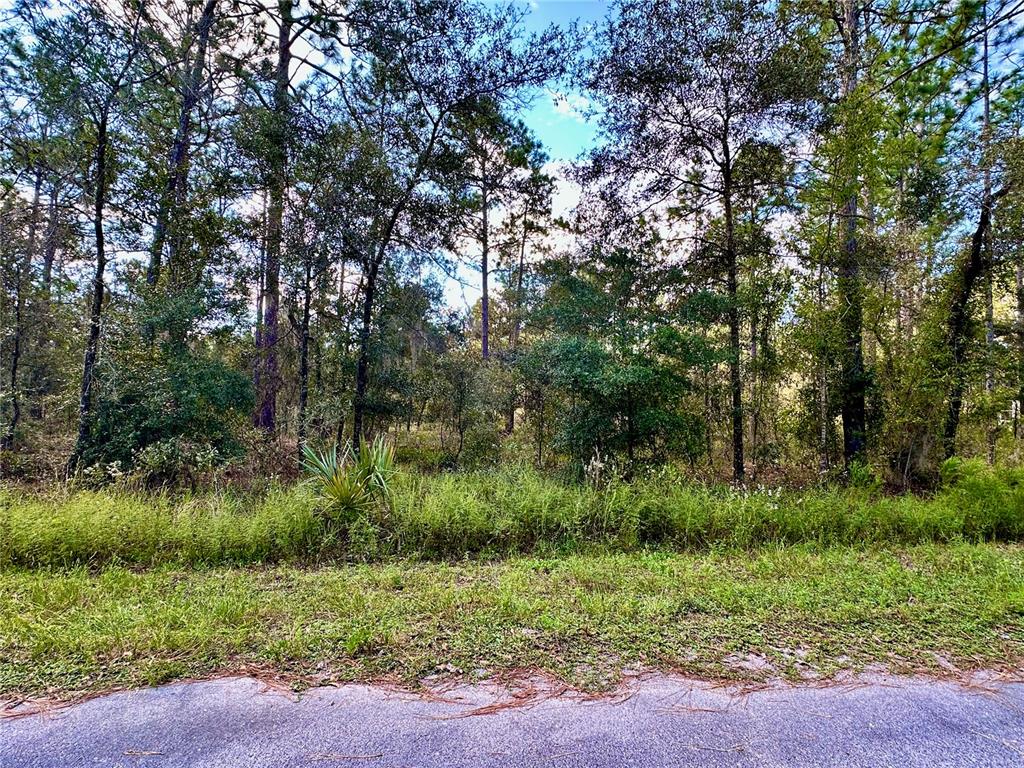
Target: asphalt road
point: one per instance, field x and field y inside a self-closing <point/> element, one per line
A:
<point x="656" y="722"/>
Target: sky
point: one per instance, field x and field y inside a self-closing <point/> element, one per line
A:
<point x="555" y="115"/>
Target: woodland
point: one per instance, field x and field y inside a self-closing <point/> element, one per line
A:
<point x="230" y="232"/>
<point x="323" y="359"/>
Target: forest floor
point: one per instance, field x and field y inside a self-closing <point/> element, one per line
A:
<point x="796" y="613"/>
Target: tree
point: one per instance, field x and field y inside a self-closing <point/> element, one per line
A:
<point x="977" y="266"/>
<point x="497" y="151"/>
<point x="621" y="351"/>
<point x="445" y="60"/>
<point x="95" y="68"/>
<point x="683" y="86"/>
<point x="189" y="86"/>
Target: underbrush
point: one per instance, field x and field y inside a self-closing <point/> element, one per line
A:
<point x="494" y="514"/>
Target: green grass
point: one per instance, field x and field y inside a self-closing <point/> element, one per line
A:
<point x="584" y="617"/>
<point x="494" y="514"/>
<point x="490" y="572"/>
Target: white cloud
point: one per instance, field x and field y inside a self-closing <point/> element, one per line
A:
<point x="571" y="105"/>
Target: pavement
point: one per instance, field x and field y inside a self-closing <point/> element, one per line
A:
<point x="653" y="721"/>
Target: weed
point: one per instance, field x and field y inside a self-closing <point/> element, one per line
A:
<point x="583" y="617"/>
<point x="487" y="514"/>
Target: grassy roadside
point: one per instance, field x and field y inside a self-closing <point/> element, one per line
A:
<point x="806" y="611"/>
<point x="500" y="513"/>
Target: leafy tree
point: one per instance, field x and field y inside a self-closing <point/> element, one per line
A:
<point x="620" y="352"/>
<point x="445" y="60"/>
<point x="95" y="68"/>
<point x="684" y="85"/>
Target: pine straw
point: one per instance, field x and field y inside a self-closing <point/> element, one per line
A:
<point x="524" y="688"/>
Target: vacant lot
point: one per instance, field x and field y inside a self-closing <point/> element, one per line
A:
<point x="484" y="574"/>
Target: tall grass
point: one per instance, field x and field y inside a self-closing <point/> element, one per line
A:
<point x="99" y="527"/>
<point x="496" y="513"/>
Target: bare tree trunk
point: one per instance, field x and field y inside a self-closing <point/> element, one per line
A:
<point x="517" y="320"/>
<point x="266" y="414"/>
<point x="96" y="308"/>
<point x="992" y="431"/>
<point x="363" y="363"/>
<point x="172" y="198"/>
<point x="369" y="286"/>
<point x="304" y="359"/>
<point x="850" y="282"/>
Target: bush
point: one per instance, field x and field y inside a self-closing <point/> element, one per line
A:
<point x="354" y="486"/>
<point x="170" y="418"/>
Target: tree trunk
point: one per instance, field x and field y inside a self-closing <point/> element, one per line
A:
<point x="824" y="462"/>
<point x="304" y="360"/>
<point x="517" y="318"/>
<point x="369" y="286"/>
<point x="485" y="305"/>
<point x="732" y="286"/>
<point x="175" y="188"/>
<point x="1019" y="285"/>
<point x="850" y="282"/>
<point x="755" y="403"/>
<point x="261" y="271"/>
<point x="851" y="297"/>
<point x="990" y="377"/>
<point x="50" y="241"/>
<point x="22" y="282"/>
<point x="96" y="308"/>
<point x="41" y="378"/>
<point x="269" y="377"/>
<point x="992" y="432"/>
<point x="966" y="277"/>
<point x="363" y="364"/>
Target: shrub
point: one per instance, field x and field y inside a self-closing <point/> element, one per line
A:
<point x="173" y="416"/>
<point x="353" y="485"/>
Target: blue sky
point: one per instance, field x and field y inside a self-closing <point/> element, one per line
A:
<point x="555" y="116"/>
<point x="555" y="119"/>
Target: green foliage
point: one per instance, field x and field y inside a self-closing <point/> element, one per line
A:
<point x="620" y="355"/>
<point x="115" y="526"/>
<point x="168" y="415"/>
<point x="712" y="285"/>
<point x="353" y="485"/>
<point x="466" y="396"/>
<point x="337" y="481"/>
<point x="375" y="465"/>
<point x="516" y="511"/>
<point x="583" y="618"/>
